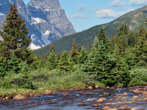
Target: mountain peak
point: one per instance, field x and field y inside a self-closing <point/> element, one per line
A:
<point x="45" y="19"/>
<point x="45" y="4"/>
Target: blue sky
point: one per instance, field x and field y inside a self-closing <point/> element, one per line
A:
<point x="84" y="14"/>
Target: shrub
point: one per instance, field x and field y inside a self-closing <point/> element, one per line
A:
<point x="23" y="81"/>
<point x="139" y="76"/>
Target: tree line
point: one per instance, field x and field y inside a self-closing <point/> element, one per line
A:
<point x="108" y="61"/>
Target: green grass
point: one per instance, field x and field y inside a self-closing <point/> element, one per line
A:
<point x="43" y="79"/>
<point x="55" y="80"/>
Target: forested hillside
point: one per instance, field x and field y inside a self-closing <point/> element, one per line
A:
<point x="120" y="61"/>
<point x="133" y="19"/>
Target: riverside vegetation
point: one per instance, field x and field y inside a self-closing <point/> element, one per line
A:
<point x="120" y="61"/>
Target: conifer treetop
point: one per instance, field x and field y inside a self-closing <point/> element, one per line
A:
<point x="14" y="31"/>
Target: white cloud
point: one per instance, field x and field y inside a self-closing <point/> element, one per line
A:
<point x="138" y="2"/>
<point x="78" y="16"/>
<point x="108" y="13"/>
<point x="117" y="3"/>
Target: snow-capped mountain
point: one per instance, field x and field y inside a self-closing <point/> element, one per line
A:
<point x="46" y="20"/>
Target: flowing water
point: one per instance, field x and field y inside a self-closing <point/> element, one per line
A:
<point x="82" y="100"/>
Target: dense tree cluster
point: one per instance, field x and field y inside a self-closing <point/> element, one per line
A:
<point x="14" y="52"/>
<point x="108" y="61"/>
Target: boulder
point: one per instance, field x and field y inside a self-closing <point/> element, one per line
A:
<point x="125" y="107"/>
<point x="101" y="100"/>
<point x="19" y="97"/>
<point x="47" y="92"/>
<point x="90" y="88"/>
<point x="96" y="105"/>
<point x="125" y="94"/>
<point x="108" y="108"/>
<point x="106" y="94"/>
<point x="97" y="86"/>
<point x="145" y="93"/>
<point x="82" y="104"/>
<point x="138" y="109"/>
<point x="64" y="94"/>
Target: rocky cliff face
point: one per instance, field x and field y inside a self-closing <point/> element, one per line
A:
<point x="46" y="20"/>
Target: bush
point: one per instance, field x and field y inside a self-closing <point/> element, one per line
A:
<point x="3" y="66"/>
<point x="23" y="81"/>
<point x="5" y="83"/>
<point x="139" y="76"/>
<point x="57" y="80"/>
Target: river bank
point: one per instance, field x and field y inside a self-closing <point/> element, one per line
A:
<point x="23" y="94"/>
<point x="132" y="98"/>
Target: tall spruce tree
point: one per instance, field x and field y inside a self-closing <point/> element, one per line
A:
<point x="15" y="36"/>
<point x="74" y="52"/>
<point x="14" y="47"/>
<point x="113" y="41"/>
<point x="52" y="58"/>
<point x="82" y="57"/>
<point x="64" y="63"/>
<point x="100" y="61"/>
<point x="132" y="38"/>
<point x="105" y="66"/>
<point x="89" y="47"/>
<point x="14" y="31"/>
<point x="121" y="47"/>
<point x="141" y="48"/>
<point x="122" y="38"/>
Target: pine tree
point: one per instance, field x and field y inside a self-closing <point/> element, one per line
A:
<point x="132" y="38"/>
<point x="14" y="47"/>
<point x="79" y="48"/>
<point x="100" y="61"/>
<point x="122" y="38"/>
<point x="65" y="63"/>
<point x="113" y="41"/>
<point x="3" y="66"/>
<point x="52" y="48"/>
<point x="146" y="28"/>
<point x="52" y="58"/>
<point x="74" y="53"/>
<point x="73" y="49"/>
<point x="123" y="30"/>
<point x="120" y="72"/>
<point x="13" y="64"/>
<point x="14" y="31"/>
<point x="15" y="36"/>
<point x="141" y="48"/>
<point x="4" y="52"/>
<point x="82" y="57"/>
<point x="121" y="47"/>
<point x="89" y="47"/>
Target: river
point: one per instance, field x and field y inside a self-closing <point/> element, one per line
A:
<point x="84" y="100"/>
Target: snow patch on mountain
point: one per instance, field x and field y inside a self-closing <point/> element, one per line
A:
<point x="34" y="47"/>
<point x="2" y="14"/>
<point x="46" y="33"/>
<point x="46" y="20"/>
<point x="38" y="20"/>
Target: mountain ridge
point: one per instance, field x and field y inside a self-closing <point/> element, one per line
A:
<point x="134" y="19"/>
<point x="45" y="19"/>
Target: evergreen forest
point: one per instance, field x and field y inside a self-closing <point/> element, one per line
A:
<point x="119" y="61"/>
